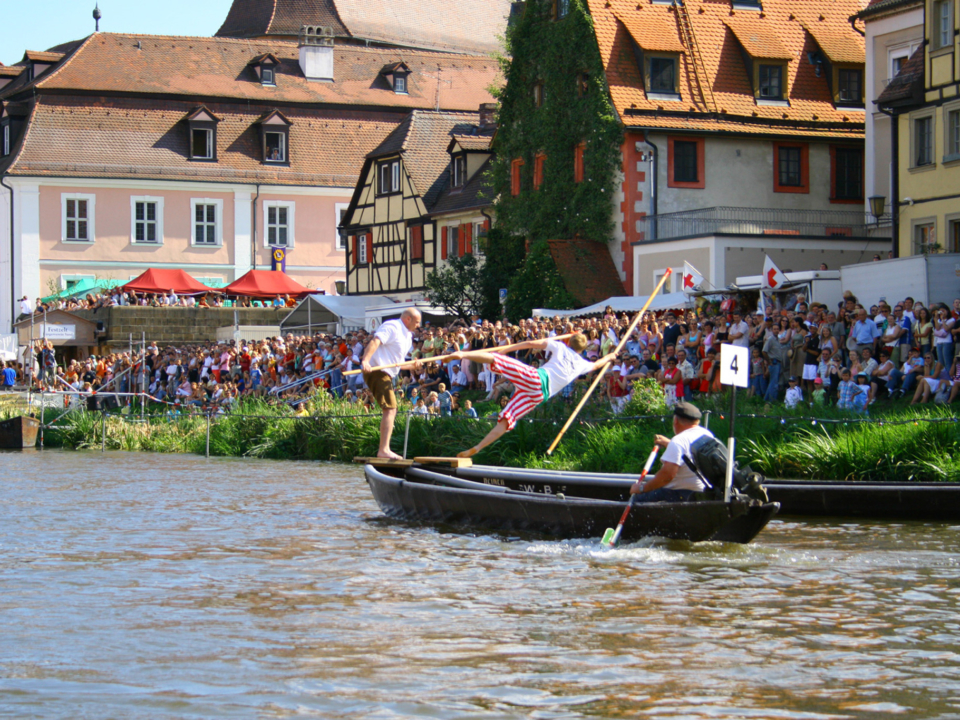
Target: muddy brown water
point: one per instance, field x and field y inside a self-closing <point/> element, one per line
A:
<point x="171" y="586"/>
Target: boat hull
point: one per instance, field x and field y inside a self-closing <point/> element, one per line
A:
<point x="18" y="433"/>
<point x="414" y="497"/>
<point x="879" y="501"/>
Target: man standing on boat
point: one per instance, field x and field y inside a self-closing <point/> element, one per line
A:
<point x="675" y="481"/>
<point x="390" y="345"/>
<point x="533" y="385"/>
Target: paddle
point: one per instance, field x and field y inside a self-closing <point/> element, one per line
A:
<point x="600" y="374"/>
<point x="611" y="536"/>
<point x="440" y="358"/>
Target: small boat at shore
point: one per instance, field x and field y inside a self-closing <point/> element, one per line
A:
<point x="867" y="500"/>
<point x="559" y="504"/>
<point x="19" y="432"/>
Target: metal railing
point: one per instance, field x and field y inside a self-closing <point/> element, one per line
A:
<point x="760" y="221"/>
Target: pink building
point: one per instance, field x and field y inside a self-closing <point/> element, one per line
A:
<point x="125" y="152"/>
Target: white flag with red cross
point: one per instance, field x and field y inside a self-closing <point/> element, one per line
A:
<point x="773" y="279"/>
<point x="692" y="279"/>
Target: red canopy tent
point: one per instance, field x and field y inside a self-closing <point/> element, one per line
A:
<point x="163" y="281"/>
<point x="266" y="284"/>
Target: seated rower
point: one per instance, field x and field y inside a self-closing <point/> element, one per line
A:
<point x="675" y="481"/>
<point x="533" y="385"/>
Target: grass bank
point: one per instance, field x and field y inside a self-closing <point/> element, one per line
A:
<point x="895" y="443"/>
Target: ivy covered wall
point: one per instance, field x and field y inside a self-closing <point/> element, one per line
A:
<point x="560" y="54"/>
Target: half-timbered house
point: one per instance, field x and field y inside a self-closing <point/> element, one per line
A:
<point x="417" y="203"/>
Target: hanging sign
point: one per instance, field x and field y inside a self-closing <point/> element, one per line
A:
<point x="734" y="365"/>
<point x="278" y="259"/>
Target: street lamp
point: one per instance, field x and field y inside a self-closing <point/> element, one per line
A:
<point x="877" y="204"/>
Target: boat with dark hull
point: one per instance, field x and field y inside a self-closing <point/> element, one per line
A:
<point x="19" y="433"/>
<point x="559" y="504"/>
<point x="867" y="500"/>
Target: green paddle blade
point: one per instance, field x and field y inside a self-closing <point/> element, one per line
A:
<point x="608" y="537"/>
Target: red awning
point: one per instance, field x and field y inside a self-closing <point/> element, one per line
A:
<point x="266" y="284"/>
<point x="163" y="281"/>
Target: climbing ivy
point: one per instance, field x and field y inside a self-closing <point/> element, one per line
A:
<point x="563" y="57"/>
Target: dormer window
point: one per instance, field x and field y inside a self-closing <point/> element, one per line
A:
<point x="265" y="67"/>
<point x="459" y="171"/>
<point x="849" y="86"/>
<point x="202" y="126"/>
<point x="275" y="138"/>
<point x="663" y="75"/>
<point x="396" y="75"/>
<point x="770" y="84"/>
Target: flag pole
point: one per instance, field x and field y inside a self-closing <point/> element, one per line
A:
<point x="600" y="373"/>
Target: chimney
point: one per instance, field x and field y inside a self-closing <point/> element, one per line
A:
<point x="488" y="116"/>
<point x="316" y="52"/>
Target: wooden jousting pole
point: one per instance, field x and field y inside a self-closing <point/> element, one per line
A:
<point x="600" y="373"/>
<point x="440" y="358"/>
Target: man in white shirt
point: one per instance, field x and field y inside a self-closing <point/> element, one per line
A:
<point x="739" y="332"/>
<point x="675" y="481"/>
<point x="390" y="345"/>
<point x="25" y="307"/>
<point x="533" y="385"/>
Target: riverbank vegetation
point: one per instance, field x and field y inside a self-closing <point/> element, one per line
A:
<point x="893" y="443"/>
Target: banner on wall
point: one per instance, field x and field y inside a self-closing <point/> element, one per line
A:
<point x="278" y="259"/>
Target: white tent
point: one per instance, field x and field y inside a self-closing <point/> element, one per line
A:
<point x="379" y="312"/>
<point x="330" y="313"/>
<point x="627" y="304"/>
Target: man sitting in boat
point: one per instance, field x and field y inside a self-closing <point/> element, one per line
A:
<point x="675" y="481"/>
<point x="533" y="385"/>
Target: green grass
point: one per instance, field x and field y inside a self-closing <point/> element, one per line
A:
<point x="906" y="446"/>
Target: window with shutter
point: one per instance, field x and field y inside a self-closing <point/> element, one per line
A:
<point x="443" y="243"/>
<point x="515" y="168"/>
<point x="355" y="249"/>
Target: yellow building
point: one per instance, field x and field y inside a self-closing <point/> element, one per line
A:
<point x="924" y="102"/>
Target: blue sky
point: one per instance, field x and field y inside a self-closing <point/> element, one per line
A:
<point x="40" y="24"/>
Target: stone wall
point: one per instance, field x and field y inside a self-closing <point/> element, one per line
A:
<point x="174" y="325"/>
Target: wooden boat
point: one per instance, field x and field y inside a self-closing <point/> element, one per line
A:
<point x="560" y="504"/>
<point x="18" y="433"/>
<point x="867" y="500"/>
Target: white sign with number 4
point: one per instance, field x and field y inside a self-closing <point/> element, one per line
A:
<point x="734" y="365"/>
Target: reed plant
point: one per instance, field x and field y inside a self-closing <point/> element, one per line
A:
<point x="898" y="444"/>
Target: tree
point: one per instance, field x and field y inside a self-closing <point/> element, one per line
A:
<point x="458" y="287"/>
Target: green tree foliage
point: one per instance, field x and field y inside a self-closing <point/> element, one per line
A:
<point x="458" y="286"/>
<point x="563" y="57"/>
<point x="504" y="255"/>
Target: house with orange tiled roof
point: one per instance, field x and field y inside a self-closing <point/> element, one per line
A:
<point x="123" y="152"/>
<point x="742" y="131"/>
<point x="418" y="203"/>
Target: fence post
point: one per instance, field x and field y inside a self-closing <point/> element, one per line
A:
<point x="706" y="419"/>
<point x="103" y="430"/>
<point x="406" y="435"/>
<point x="208" y="432"/>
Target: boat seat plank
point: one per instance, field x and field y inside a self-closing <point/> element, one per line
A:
<point x="453" y="462"/>
<point x="382" y="462"/>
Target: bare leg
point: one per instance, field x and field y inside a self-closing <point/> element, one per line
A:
<point x="954" y="391"/>
<point x="495" y="434"/>
<point x="386" y="432"/>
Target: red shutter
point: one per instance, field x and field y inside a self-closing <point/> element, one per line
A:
<point x="369" y="239"/>
<point x="486" y="224"/>
<point x="468" y="239"/>
<point x="416" y="240"/>
<point x="443" y="243"/>
<point x="355" y="250"/>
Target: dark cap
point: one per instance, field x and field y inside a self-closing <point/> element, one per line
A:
<point x="686" y="411"/>
<point x="794" y="378"/>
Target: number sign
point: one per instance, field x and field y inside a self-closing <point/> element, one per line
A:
<point x="734" y="365"/>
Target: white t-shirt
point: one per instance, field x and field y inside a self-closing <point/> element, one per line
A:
<point x="740" y="327"/>
<point x="680" y="445"/>
<point x="395" y="344"/>
<point x="563" y="365"/>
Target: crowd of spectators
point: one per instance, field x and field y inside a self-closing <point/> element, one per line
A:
<point x="117" y="297"/>
<point x="808" y="353"/>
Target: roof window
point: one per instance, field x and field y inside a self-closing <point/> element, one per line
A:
<point x="202" y="128"/>
<point x="275" y="138"/>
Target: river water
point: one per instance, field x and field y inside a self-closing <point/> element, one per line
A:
<point x="171" y="586"/>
